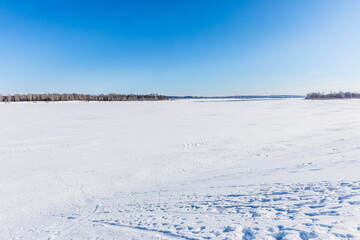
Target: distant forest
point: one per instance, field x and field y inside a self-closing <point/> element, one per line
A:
<point x="237" y="97"/>
<point x="339" y="95"/>
<point x="55" y="97"/>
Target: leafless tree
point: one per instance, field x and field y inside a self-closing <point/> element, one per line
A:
<point x="332" y="95"/>
<point x="54" y="97"/>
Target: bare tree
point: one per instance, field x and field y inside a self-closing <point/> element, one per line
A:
<point x="332" y="95"/>
<point x="53" y="97"/>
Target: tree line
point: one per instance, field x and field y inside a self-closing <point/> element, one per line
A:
<point x="332" y="95"/>
<point x="55" y="97"/>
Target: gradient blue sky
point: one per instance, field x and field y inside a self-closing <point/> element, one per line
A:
<point x="197" y="47"/>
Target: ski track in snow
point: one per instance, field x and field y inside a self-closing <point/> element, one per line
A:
<point x="286" y="169"/>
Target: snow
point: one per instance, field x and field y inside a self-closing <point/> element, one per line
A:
<point x="186" y="169"/>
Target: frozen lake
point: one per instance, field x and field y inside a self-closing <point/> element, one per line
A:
<point x="186" y="169"/>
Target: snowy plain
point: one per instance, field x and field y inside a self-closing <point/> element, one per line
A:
<point x="186" y="169"/>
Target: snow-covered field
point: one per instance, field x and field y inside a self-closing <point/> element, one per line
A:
<point x="188" y="169"/>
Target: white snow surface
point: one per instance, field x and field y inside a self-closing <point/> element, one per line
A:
<point x="186" y="169"/>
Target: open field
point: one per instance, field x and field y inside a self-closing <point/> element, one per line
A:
<point x="187" y="169"/>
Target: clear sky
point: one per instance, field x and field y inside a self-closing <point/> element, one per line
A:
<point x="179" y="47"/>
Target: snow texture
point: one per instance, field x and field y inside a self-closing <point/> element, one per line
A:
<point x="187" y="169"/>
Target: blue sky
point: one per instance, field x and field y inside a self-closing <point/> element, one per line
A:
<point x="182" y="47"/>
